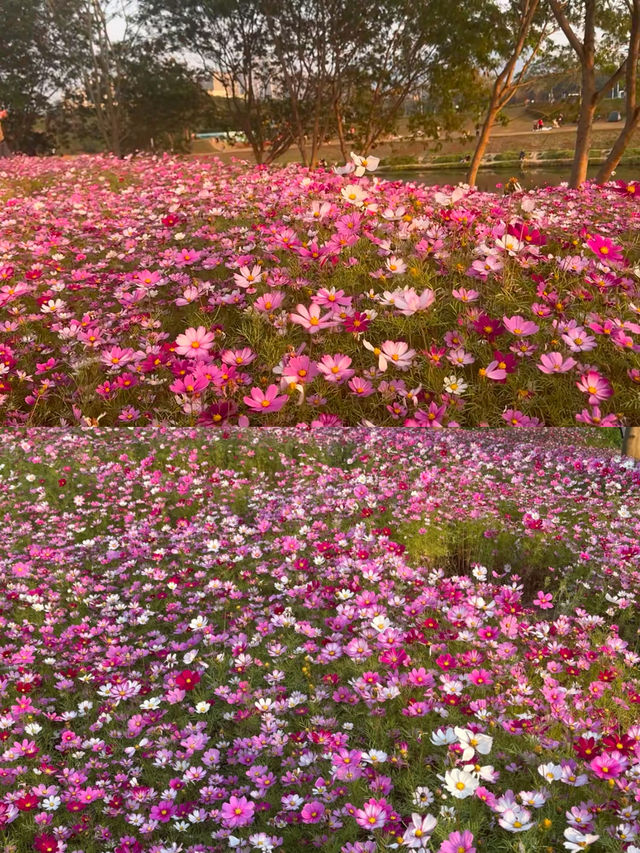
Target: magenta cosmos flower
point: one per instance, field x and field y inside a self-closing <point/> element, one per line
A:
<point x="596" y="386"/>
<point x="194" y="343"/>
<point x="266" y="401"/>
<point x="605" y="248"/>
<point x="237" y="812"/>
<point x="609" y="765"/>
<point x="312" y="812"/>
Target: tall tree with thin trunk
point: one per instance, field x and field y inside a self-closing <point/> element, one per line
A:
<point x="579" y="22"/>
<point x="632" y="108"/>
<point x="522" y="41"/>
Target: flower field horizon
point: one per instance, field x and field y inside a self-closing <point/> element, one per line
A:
<point x="159" y="290"/>
<point x="348" y="640"/>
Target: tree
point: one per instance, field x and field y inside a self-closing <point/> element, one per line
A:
<point x="96" y="59"/>
<point x="520" y="35"/>
<point x="230" y="38"/>
<point x="31" y="66"/>
<point x="430" y="51"/>
<point x="632" y="108"/>
<point x="162" y="102"/>
<point x="631" y="442"/>
<point x="580" y="21"/>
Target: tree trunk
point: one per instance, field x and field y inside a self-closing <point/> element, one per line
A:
<point x="584" y="133"/>
<point x="481" y="145"/>
<point x="619" y="147"/>
<point x="632" y="111"/>
<point x="631" y="442"/>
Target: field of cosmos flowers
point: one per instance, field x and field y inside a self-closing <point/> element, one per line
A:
<point x="172" y="291"/>
<point x="345" y="640"/>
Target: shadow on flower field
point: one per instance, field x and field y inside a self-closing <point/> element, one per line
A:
<point x="351" y="641"/>
<point x="166" y="291"/>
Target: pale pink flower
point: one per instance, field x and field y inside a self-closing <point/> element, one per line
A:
<point x="335" y="368"/>
<point x="555" y="362"/>
<point x="398" y="354"/>
<point x="596" y="386"/>
<point x="269" y="302"/>
<point x="517" y="325"/>
<point x="311" y="318"/>
<point x="248" y="277"/>
<point x="265" y="401"/>
<point x="195" y="343"/>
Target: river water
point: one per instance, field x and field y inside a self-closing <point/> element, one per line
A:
<point x="488" y="179"/>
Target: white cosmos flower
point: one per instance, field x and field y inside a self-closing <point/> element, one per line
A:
<point x="460" y="784"/>
<point x="516" y="819"/>
<point x="577" y="841"/>
<point x="353" y="194"/>
<point x="443" y="737"/>
<point x="364" y="164"/>
<point x="550" y="772"/>
<point x="454" y="385"/>
<point x="473" y="742"/>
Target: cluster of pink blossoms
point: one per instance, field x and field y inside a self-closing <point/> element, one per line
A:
<point x="160" y="290"/>
<point x="344" y="640"/>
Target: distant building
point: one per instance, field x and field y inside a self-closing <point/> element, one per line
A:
<point x="222" y="85"/>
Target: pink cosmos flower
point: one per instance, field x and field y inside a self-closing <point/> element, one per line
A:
<point x="265" y="401"/>
<point x="609" y="765"/>
<point x="482" y="269"/>
<point x="129" y="414"/>
<point x="312" y="812"/>
<point x="195" y="343"/>
<point x="555" y="362"/>
<point x="596" y="386"/>
<point x="311" y="318"/>
<point x="494" y="371"/>
<point x="117" y="356"/>
<point x="605" y="249"/>
<point x="269" y="302"/>
<point x="237" y="812"/>
<point x="519" y="326"/>
<point x="543" y="600"/>
<point x="458" y="842"/>
<point x="595" y="418"/>
<point x="578" y="341"/>
<point x="395" y="265"/>
<point x="465" y="295"/>
<point x="373" y="814"/>
<point x="189" y="384"/>
<point x="398" y="354"/>
<point x="335" y="368"/>
<point x="299" y="370"/>
<point x="238" y="357"/>
<point x="163" y="812"/>
<point x="361" y="387"/>
<point x="331" y="297"/>
<point x="248" y="277"/>
<point x="417" y="834"/>
<point x="480" y="677"/>
<point x="408" y="302"/>
<point x="459" y="356"/>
